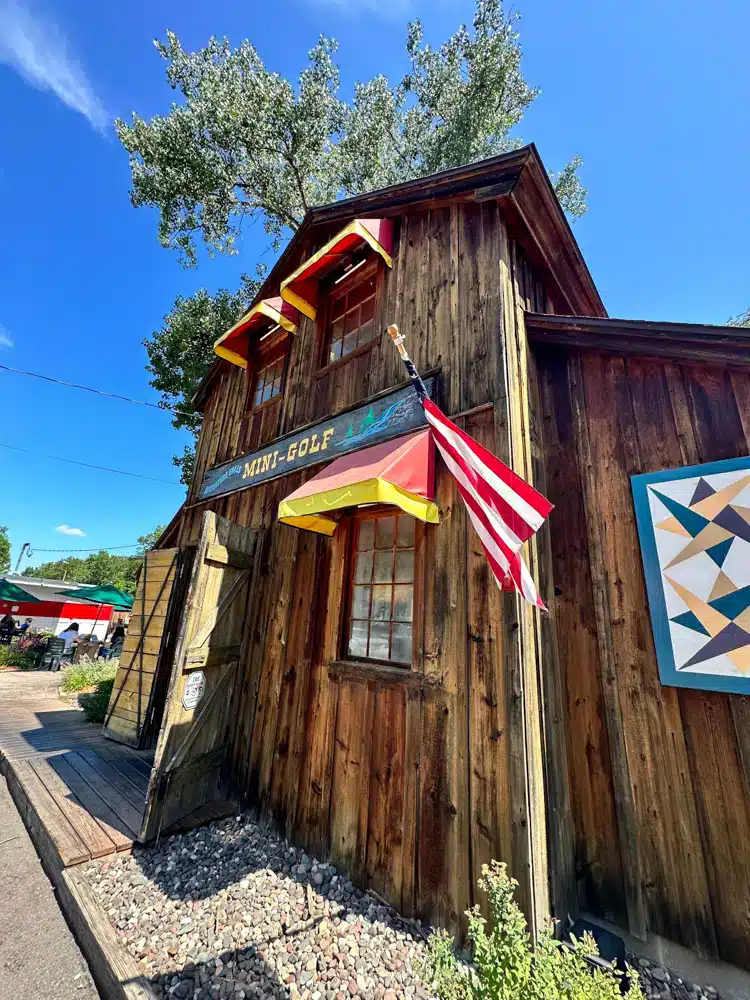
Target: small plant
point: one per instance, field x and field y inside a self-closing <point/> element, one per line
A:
<point x="505" y="966"/>
<point x="88" y="673"/>
<point x="11" y="656"/>
<point x="95" y="703"/>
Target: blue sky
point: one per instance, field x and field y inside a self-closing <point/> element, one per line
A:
<point x="655" y="98"/>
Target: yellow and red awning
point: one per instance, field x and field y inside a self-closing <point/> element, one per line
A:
<point x="301" y="287"/>
<point x="234" y="345"/>
<point x="399" y="472"/>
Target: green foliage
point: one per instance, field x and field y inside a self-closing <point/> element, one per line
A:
<point x="148" y="541"/>
<point x="742" y="320"/>
<point x="95" y="704"/>
<point x="4" y="550"/>
<point x="88" y="673"/>
<point x="506" y="967"/>
<point x="244" y="141"/>
<point x="10" y="656"/>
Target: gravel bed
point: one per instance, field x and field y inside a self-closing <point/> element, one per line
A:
<point x="232" y="911"/>
<point x="658" y="983"/>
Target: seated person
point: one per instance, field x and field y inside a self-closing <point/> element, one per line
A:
<point x="71" y="636"/>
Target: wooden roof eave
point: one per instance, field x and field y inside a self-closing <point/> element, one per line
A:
<point x="726" y="346"/>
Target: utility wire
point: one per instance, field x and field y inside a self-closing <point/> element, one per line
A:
<point x="100" y="548"/>
<point x="87" y="465"/>
<point x="99" y="392"/>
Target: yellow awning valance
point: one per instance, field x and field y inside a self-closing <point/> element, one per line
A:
<point x="301" y="287"/>
<point x="234" y="345"/>
<point x="400" y="472"/>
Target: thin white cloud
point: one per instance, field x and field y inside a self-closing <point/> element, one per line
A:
<point x="5" y="338"/>
<point x="35" y="47"/>
<point x="65" y="529"/>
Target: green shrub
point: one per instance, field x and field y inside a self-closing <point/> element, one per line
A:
<point x="95" y="703"/>
<point x="11" y="657"/>
<point x="506" y="967"/>
<point x="87" y="674"/>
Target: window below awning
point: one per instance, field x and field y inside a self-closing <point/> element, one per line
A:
<point x="235" y="344"/>
<point x="399" y="472"/>
<point x="300" y="289"/>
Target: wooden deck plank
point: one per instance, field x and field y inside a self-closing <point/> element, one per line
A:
<point x="127" y="763"/>
<point x="69" y="846"/>
<point x="110" y="824"/>
<point x="93" y="836"/>
<point x="129" y="815"/>
<point x="116" y="775"/>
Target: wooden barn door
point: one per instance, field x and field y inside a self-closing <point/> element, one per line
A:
<point x="216" y="621"/>
<point x="136" y="691"/>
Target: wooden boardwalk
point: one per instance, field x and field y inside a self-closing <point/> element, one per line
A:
<point x="82" y="794"/>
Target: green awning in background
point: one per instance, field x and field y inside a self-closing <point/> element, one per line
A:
<point x="16" y="595"/>
<point x="106" y="594"/>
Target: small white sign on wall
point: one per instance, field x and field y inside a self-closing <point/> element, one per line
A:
<point x="195" y="688"/>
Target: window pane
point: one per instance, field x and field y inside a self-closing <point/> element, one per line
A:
<point x="383" y="567"/>
<point x="368" y="310"/>
<point x="337" y="330"/>
<point x="401" y="649"/>
<point x="379" y="640"/>
<point x="402" y="603"/>
<point x="352" y="321"/>
<point x="381" y="603"/>
<point x="335" y="353"/>
<point x="384" y="533"/>
<point x="267" y="391"/>
<point x="405" y="532"/>
<point x="338" y="308"/>
<point x="366" y="535"/>
<point x="358" y="639"/>
<point x="258" y="397"/>
<point x="366" y="332"/>
<point x="361" y="602"/>
<point x="363" y="572"/>
<point x="351" y="340"/>
<point x="405" y="566"/>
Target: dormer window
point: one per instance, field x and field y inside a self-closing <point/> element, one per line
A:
<point x="351" y="312"/>
<point x="267" y="367"/>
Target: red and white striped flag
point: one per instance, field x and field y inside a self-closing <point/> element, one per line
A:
<point x="504" y="509"/>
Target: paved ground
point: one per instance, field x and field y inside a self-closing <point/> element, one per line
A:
<point x="39" y="960"/>
<point x="28" y="684"/>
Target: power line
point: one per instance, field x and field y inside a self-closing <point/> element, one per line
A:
<point x="100" y="548"/>
<point x="98" y="392"/>
<point x="87" y="465"/>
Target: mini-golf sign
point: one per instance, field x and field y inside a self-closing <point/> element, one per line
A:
<point x="195" y="688"/>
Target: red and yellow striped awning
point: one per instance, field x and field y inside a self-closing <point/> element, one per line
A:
<point x="399" y="472"/>
<point x="301" y="287"/>
<point x="234" y="345"/>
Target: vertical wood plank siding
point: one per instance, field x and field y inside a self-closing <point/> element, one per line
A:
<point x="413" y="786"/>
<point x="659" y="788"/>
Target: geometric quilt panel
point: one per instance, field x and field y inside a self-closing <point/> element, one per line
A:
<point x="694" y="530"/>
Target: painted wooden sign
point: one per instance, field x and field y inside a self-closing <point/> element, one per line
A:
<point x="384" y="418"/>
<point x="694" y="526"/>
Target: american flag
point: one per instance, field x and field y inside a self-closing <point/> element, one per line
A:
<point x="504" y="509"/>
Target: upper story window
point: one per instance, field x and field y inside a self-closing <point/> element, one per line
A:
<point x="267" y="368"/>
<point x="351" y="313"/>
<point x="268" y="382"/>
<point x="381" y="592"/>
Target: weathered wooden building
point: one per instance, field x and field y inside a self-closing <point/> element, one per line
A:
<point x="370" y="691"/>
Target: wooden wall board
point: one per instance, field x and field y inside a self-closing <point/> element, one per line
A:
<point x="668" y="770"/>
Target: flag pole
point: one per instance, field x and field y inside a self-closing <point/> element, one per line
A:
<point x="416" y="381"/>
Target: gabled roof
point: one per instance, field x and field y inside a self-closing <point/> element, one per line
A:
<point x="517" y="180"/>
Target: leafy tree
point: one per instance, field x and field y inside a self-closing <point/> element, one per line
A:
<point x="149" y="540"/>
<point x="245" y="142"/>
<point x="181" y="352"/>
<point x="4" y="550"/>
<point x="742" y="320"/>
